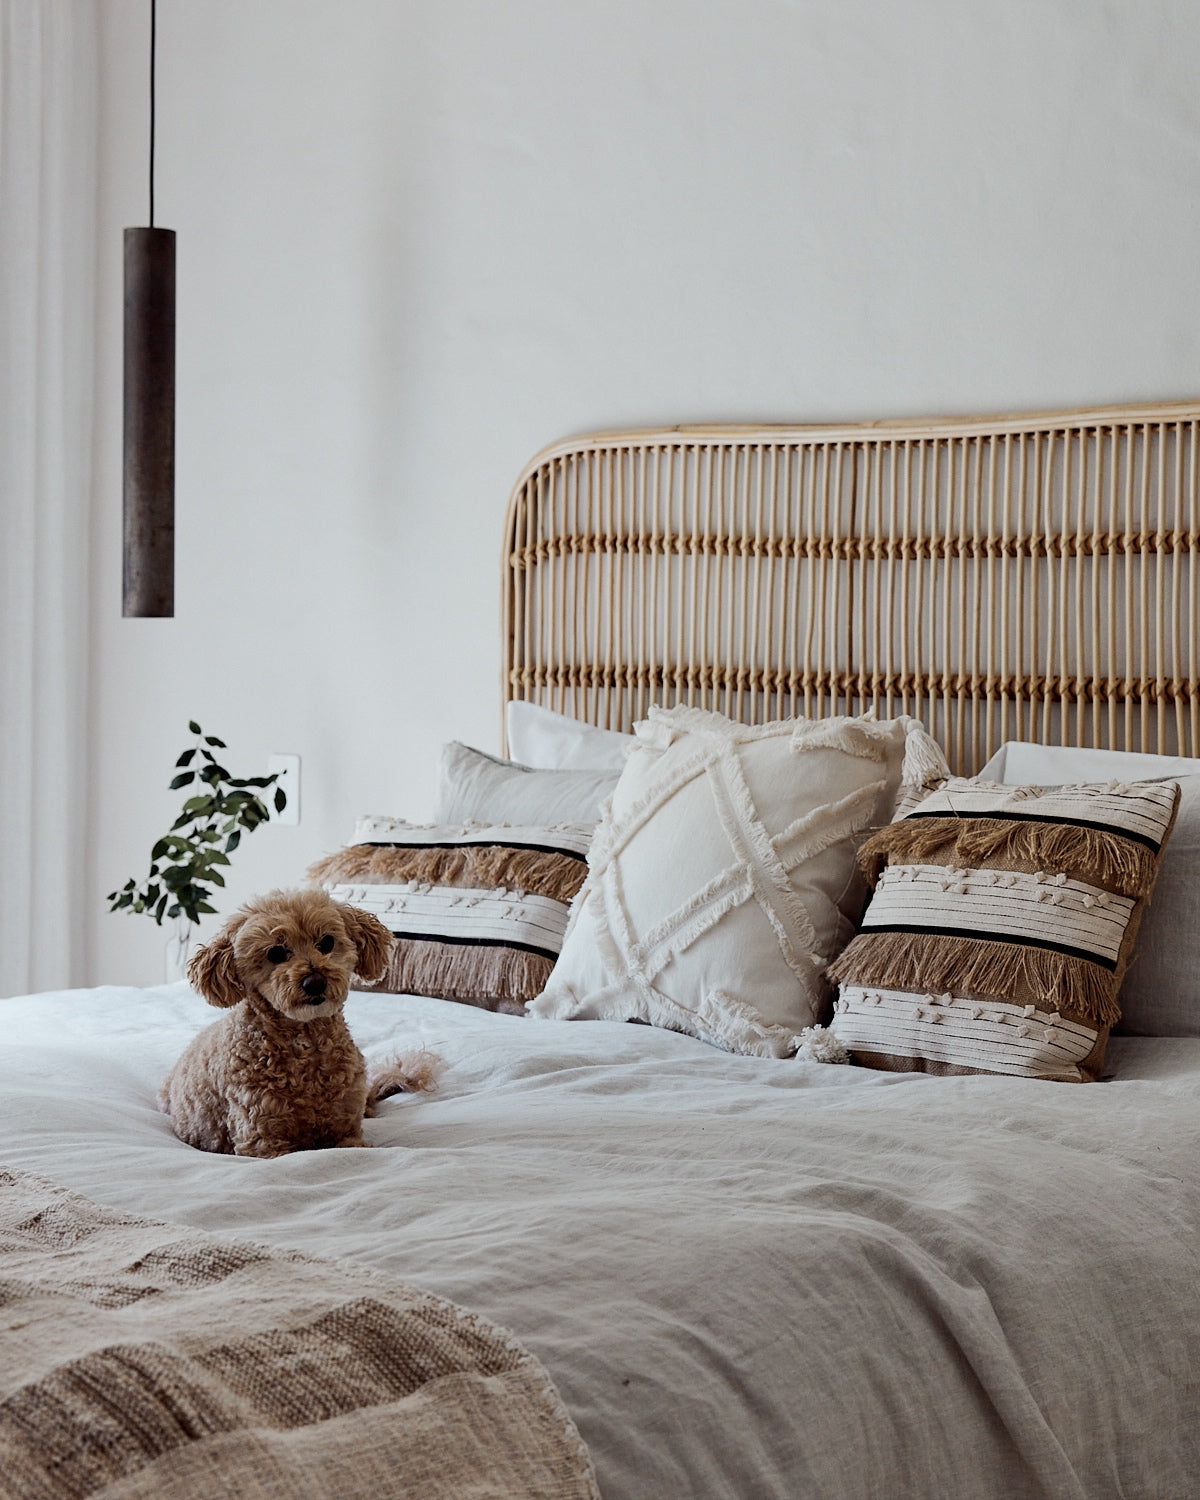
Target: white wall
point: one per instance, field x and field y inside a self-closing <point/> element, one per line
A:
<point x="417" y="241"/>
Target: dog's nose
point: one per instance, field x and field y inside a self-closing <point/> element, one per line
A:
<point x="313" y="985"/>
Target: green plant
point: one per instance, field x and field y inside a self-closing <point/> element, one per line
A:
<point x="184" y="863"/>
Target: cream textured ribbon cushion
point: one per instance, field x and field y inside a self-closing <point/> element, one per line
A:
<point x="1001" y="925"/>
<point x="722" y="880"/>
<point x="476" y="913"/>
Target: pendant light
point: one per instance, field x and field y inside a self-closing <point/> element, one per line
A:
<point x="149" y="468"/>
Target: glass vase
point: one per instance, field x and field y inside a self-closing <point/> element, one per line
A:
<point x="179" y="945"/>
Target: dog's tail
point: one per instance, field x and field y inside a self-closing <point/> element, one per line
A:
<point x="410" y="1073"/>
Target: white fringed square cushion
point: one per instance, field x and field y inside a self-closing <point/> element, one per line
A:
<point x="476" y="913"/>
<point x="722" y="879"/>
<point x="1002" y="921"/>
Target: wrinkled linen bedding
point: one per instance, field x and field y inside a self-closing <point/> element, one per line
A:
<point x="153" y="1362"/>
<point x="746" y="1277"/>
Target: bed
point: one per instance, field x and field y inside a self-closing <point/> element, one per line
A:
<point x="743" y="1272"/>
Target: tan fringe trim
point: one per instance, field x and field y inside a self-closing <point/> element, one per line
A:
<point x="1118" y="864"/>
<point x="935" y="964"/>
<point x="472" y="866"/>
<point x="489" y="976"/>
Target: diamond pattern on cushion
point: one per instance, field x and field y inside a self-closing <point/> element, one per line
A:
<point x="722" y="879"/>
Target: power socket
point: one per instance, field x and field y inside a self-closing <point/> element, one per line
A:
<point x="287" y="767"/>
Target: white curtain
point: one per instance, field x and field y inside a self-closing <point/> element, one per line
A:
<point x="48" y="117"/>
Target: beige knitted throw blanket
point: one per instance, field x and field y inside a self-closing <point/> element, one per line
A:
<point x="140" y="1359"/>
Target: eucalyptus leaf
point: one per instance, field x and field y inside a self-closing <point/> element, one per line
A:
<point x="184" y="874"/>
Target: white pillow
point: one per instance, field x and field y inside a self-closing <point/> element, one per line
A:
<point x="1021" y="763"/>
<point x="541" y="738"/>
<point x="476" y="788"/>
<point x="1160" y="995"/>
<point x="723" y="879"/>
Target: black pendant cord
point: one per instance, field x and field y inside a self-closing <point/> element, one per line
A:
<point x="153" y="45"/>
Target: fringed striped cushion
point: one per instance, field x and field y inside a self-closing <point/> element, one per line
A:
<point x="477" y="913"/>
<point x="1001" y="924"/>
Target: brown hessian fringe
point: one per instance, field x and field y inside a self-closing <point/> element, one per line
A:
<point x="486" y="975"/>
<point x="934" y="964"/>
<point x="472" y="866"/>
<point x="1121" y="865"/>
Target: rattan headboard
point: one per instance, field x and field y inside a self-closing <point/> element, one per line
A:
<point x="1015" y="577"/>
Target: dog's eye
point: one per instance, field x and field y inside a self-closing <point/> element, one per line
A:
<point x="277" y="954"/>
<point x="325" y="945"/>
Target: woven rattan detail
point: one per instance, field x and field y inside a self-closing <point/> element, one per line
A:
<point x="1026" y="577"/>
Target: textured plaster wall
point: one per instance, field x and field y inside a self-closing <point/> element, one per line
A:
<point x="419" y="241"/>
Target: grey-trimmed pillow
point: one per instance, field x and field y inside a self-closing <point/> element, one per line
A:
<point x="473" y="786"/>
<point x="477" y="913"/>
<point x="1002" y="921"/>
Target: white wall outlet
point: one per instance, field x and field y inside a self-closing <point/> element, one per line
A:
<point x="287" y="767"/>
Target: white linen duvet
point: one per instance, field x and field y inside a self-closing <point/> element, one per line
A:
<point x="747" y="1277"/>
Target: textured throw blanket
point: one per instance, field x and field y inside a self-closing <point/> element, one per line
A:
<point x="143" y="1360"/>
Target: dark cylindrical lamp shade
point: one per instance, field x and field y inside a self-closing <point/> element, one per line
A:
<point x="149" y="488"/>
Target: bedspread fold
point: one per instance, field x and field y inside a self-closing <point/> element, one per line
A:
<point x="140" y="1359"/>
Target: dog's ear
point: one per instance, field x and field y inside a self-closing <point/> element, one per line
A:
<point x="212" y="969"/>
<point x="373" y="941"/>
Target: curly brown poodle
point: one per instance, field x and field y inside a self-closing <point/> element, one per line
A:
<point x="281" y="1071"/>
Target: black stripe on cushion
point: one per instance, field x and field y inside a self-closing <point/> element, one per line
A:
<point x="1020" y="941"/>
